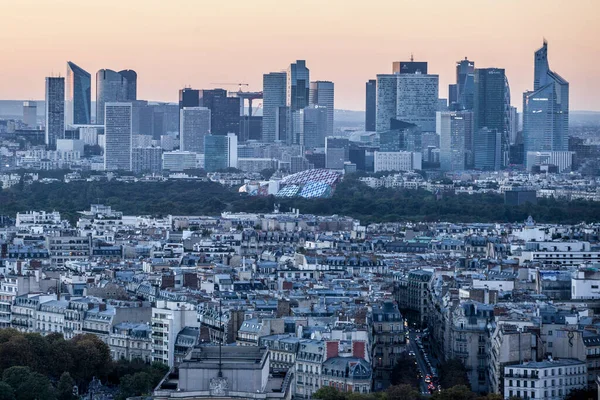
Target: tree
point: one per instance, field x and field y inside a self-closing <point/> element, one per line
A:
<point x="6" y="392"/>
<point x="64" y="390"/>
<point x="405" y="371"/>
<point x="453" y="373"/>
<point x="91" y="357"/>
<point x="583" y="394"/>
<point x="403" y="392"/>
<point x="328" y="393"/>
<point x="135" y="385"/>
<point x="459" y="392"/>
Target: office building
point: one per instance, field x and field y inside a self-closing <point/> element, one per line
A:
<point x="118" y="136"/>
<point x="297" y="94"/>
<point x="321" y="94"/>
<point x="387" y="93"/>
<point x="487" y="146"/>
<point x="513" y="125"/>
<point x="179" y="161"/>
<point x="371" y="105"/>
<point x="562" y="160"/>
<point x="336" y="152"/>
<point x="546" y="108"/>
<point x="30" y="113"/>
<point x="417" y="100"/>
<point x="401" y="136"/>
<point x="220" y="152"/>
<point x="78" y="106"/>
<point x="453" y="96"/>
<point x="274" y="98"/>
<point x="455" y="129"/>
<point x="195" y="125"/>
<point x="224" y="111"/>
<point x="114" y="87"/>
<point x="189" y="97"/>
<point x="55" y="110"/>
<point x="409" y="67"/>
<point x="465" y="84"/>
<point x="146" y="159"/>
<point x="397" y="161"/>
<point x="314" y="126"/>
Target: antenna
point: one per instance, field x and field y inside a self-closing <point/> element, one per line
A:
<point x="411" y="57"/>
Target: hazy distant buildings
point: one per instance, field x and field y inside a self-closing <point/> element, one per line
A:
<point x="465" y="85"/>
<point x="456" y="132"/>
<point x="224" y="111"/>
<point x="114" y="87"/>
<point x="274" y="98"/>
<point x="118" y="136"/>
<point x="417" y="99"/>
<point x="397" y="161"/>
<point x="298" y="80"/>
<point x="220" y="152"/>
<point x="195" y="125"/>
<point x="371" y="105"/>
<point x="336" y="152"/>
<point x="78" y="96"/>
<point x="409" y="67"/>
<point x="55" y="110"/>
<point x="321" y="94"/>
<point x="387" y="92"/>
<point x="315" y="126"/>
<point x="487" y="149"/>
<point x="146" y="159"/>
<point x="546" y="108"/>
<point x="30" y="113"/>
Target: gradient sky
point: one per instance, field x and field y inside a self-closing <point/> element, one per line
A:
<point x="176" y="43"/>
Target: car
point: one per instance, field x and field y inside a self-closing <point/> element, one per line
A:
<point x="411" y="353"/>
<point x="427" y="379"/>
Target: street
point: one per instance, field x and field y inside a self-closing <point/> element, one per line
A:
<point x="421" y="364"/>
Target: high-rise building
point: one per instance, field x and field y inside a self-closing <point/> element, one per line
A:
<point x="453" y="96"/>
<point x="417" y="100"/>
<point x="220" y="152"/>
<point x="337" y="152"/>
<point x="487" y="149"/>
<point x="118" y="136"/>
<point x="456" y="132"/>
<point x="489" y="99"/>
<point x="315" y="125"/>
<point x="387" y="93"/>
<point x="146" y="159"/>
<point x="113" y="87"/>
<point x="78" y="105"/>
<point x="195" y="125"/>
<point x="298" y="81"/>
<point x="30" y="113"/>
<point x="189" y="97"/>
<point x="274" y="97"/>
<point x="371" y="105"/>
<point x="546" y="108"/>
<point x="322" y="94"/>
<point x="409" y="67"/>
<point x="465" y="84"/>
<point x="55" y="110"/>
<point x="224" y="111"/>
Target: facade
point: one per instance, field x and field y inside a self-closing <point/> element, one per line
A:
<point x="322" y="94"/>
<point x="113" y="87"/>
<point x="563" y="160"/>
<point x="168" y="319"/>
<point x="552" y="380"/>
<point x="297" y="96"/>
<point x="336" y="152"/>
<point x="546" y="108"/>
<point x="195" y="125"/>
<point x="487" y="150"/>
<point x="178" y="161"/>
<point x="456" y="134"/>
<point x="387" y="96"/>
<point x="224" y="111"/>
<point x="371" y="105"/>
<point x="55" y="110"/>
<point x="465" y="84"/>
<point x="220" y="152"/>
<point x="274" y="97"/>
<point x="417" y="99"/>
<point x="78" y="100"/>
<point x="68" y="248"/>
<point x="30" y="113"/>
<point x="315" y="126"/>
<point x="146" y="159"/>
<point x="388" y="342"/>
<point x="118" y="136"/>
<point x="409" y="67"/>
<point x="397" y="161"/>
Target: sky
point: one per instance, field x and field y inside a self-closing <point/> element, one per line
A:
<point x="177" y="43"/>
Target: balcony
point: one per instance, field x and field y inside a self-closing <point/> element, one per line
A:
<point x="95" y="331"/>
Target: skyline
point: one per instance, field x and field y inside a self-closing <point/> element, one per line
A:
<point x="263" y="36"/>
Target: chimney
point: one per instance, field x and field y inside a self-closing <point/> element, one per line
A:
<point x="358" y="349"/>
<point x="332" y="349"/>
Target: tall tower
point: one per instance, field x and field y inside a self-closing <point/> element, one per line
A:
<point x="371" y="105"/>
<point x="298" y="81"/>
<point x="78" y="96"/>
<point x="131" y="77"/>
<point x="111" y="87"/>
<point x="465" y="86"/>
<point x="546" y="108"/>
<point x="55" y="110"/>
<point x="417" y="100"/>
<point x="322" y="94"/>
<point x="195" y="125"/>
<point x="30" y="113"/>
<point x="274" y="100"/>
<point x="387" y="93"/>
<point x="118" y="136"/>
<point x="224" y="111"/>
<point x="456" y="133"/>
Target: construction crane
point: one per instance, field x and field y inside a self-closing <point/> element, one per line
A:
<point x="231" y="84"/>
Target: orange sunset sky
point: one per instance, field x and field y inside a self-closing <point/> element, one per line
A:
<point x="174" y="43"/>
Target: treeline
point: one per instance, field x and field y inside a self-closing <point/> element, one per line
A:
<point x="48" y="367"/>
<point x="351" y="198"/>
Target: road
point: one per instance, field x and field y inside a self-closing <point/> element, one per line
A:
<point x="412" y="345"/>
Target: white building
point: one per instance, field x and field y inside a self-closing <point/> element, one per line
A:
<point x="118" y="136"/>
<point x="456" y="134"/>
<point x="195" y="125"/>
<point x="168" y="319"/>
<point x="562" y="159"/>
<point x="397" y="161"/>
<point x="321" y="94"/>
<point x="38" y="218"/>
<point x="549" y="380"/>
<point x="179" y="160"/>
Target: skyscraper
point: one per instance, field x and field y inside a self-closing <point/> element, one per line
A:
<point x="387" y="93"/>
<point x="30" y="113"/>
<point x="489" y="98"/>
<point x="274" y="97"/>
<point x="298" y="81"/>
<point x="112" y="87"/>
<point x="409" y="67"/>
<point x="322" y="94"/>
<point x="189" y="97"/>
<point x="78" y="96"/>
<point x="487" y="149"/>
<point x="315" y="125"/>
<point x="195" y="125"/>
<point x="546" y="108"/>
<point x="131" y="77"/>
<point x="224" y="111"/>
<point x="118" y="136"/>
<point x="220" y="152"/>
<point x="465" y="84"/>
<point x="417" y="100"/>
<point x="55" y="110"/>
<point x="371" y="105"/>
<point x="456" y="132"/>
